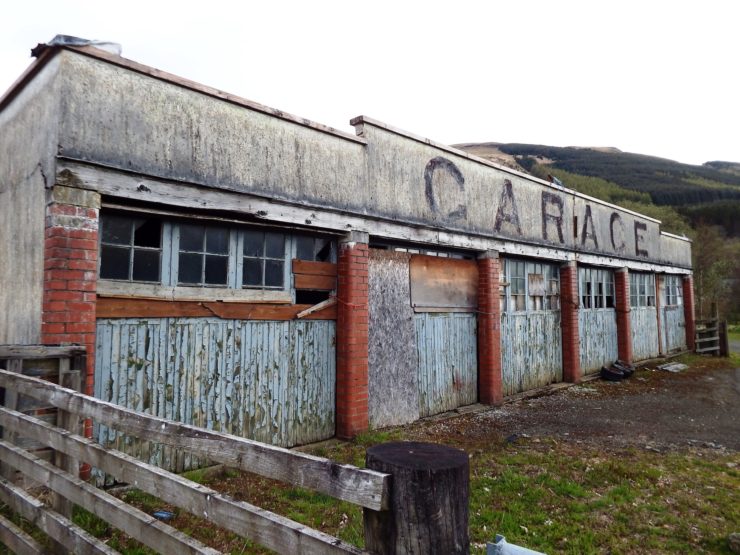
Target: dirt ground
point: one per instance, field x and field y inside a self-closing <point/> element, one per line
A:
<point x="654" y="409"/>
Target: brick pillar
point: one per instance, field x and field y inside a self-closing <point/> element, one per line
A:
<point x="569" y="304"/>
<point x="490" y="390"/>
<point x="70" y="271"/>
<point x="352" y="336"/>
<point x="659" y="290"/>
<point x="622" y="303"/>
<point x="688" y="312"/>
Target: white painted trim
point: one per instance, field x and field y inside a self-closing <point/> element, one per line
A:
<point x="125" y="185"/>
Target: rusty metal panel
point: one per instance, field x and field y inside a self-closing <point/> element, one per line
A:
<point x="531" y="350"/>
<point x="443" y="283"/>
<point x="448" y="361"/>
<point x="597" y="329"/>
<point x="265" y="380"/>
<point x="644" y="329"/>
<point x="674" y="329"/>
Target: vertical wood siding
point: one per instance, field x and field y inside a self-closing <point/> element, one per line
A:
<point x="448" y="361"/>
<point x="597" y="329"/>
<point x="674" y="329"/>
<point x="531" y="350"/>
<point x="269" y="381"/>
<point x="644" y="327"/>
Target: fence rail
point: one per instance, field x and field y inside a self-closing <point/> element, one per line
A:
<point x="366" y="488"/>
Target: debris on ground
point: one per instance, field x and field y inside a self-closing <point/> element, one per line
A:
<point x="674" y="367"/>
<point x="502" y="547"/>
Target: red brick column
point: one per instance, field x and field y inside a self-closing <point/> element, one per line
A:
<point x="70" y="271"/>
<point x="569" y="304"/>
<point x="490" y="389"/>
<point x="622" y="303"/>
<point x="352" y="336"/>
<point x="688" y="311"/>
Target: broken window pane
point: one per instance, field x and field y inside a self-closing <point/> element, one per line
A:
<point x="116" y="229"/>
<point x="148" y="233"/>
<point x="304" y="248"/>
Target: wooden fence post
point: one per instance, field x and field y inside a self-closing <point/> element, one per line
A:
<point x="70" y="422"/>
<point x="428" y="502"/>
<point x="11" y="402"/>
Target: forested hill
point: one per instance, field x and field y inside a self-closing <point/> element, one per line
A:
<point x="706" y="194"/>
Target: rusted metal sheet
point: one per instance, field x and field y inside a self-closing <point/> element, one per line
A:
<point x="265" y="380"/>
<point x="443" y="283"/>
<point x="597" y="329"/>
<point x="531" y="350"/>
<point x="448" y="361"/>
<point x="644" y="328"/>
<point x="674" y="329"/>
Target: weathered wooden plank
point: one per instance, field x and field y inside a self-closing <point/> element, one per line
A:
<point x="644" y="330"/>
<point x="17" y="540"/>
<point x="54" y="525"/>
<point x="114" y="307"/>
<point x="597" y="329"/>
<point x="314" y="268"/>
<point x="40" y="351"/>
<point x="140" y="526"/>
<point x="181" y="293"/>
<point x="270" y="530"/>
<point x="315" y="282"/>
<point x="70" y="422"/>
<point x="361" y="487"/>
<point x="443" y="282"/>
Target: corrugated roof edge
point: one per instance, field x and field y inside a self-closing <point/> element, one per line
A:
<point x="473" y="158"/>
<point x="46" y="52"/>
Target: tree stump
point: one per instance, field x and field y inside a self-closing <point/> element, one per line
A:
<point x="428" y="504"/>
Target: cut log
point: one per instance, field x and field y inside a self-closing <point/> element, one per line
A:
<point x="429" y="500"/>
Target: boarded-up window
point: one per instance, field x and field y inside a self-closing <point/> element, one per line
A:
<point x="443" y="284"/>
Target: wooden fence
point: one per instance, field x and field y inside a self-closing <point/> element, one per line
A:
<point x="367" y="488"/>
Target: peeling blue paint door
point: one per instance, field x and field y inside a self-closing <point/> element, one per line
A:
<point x="644" y="328"/>
<point x="674" y="329"/>
<point x="265" y="380"/>
<point x="597" y="319"/>
<point x="531" y="338"/>
<point x="448" y="360"/>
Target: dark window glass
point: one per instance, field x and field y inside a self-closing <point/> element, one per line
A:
<point x="114" y="262"/>
<point x="253" y="243"/>
<point x="216" y="270"/>
<point x="274" y="245"/>
<point x="217" y="241"/>
<point x="146" y="265"/>
<point x="190" y="268"/>
<point x="148" y="233"/>
<point x="252" y="271"/>
<point x="191" y="237"/>
<point x="304" y="248"/>
<point x="116" y="230"/>
<point x="273" y="273"/>
<point x="323" y="250"/>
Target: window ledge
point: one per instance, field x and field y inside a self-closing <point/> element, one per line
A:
<point x="162" y="292"/>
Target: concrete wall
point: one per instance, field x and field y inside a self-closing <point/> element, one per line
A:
<point x="421" y="183"/>
<point x="393" y="361"/>
<point x="127" y="120"/>
<point x="28" y="139"/>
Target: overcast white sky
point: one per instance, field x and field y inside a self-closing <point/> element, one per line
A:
<point x="652" y="77"/>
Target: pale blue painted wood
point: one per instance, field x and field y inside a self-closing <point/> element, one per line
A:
<point x="269" y="381"/>
<point x="674" y="329"/>
<point x="531" y="350"/>
<point x="644" y="330"/>
<point x="597" y="330"/>
<point x="448" y="361"/>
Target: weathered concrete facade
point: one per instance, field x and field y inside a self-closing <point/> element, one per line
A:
<point x="91" y="141"/>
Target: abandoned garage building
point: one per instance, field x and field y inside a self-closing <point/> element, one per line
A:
<point x="239" y="268"/>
